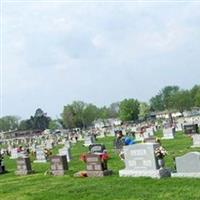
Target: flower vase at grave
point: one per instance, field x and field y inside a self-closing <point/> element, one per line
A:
<point x="161" y="162"/>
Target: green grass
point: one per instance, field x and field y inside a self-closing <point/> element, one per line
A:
<point x="45" y="187"/>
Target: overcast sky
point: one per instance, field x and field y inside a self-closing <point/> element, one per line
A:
<point x="97" y="53"/>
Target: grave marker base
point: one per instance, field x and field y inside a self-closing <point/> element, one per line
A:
<point x="186" y="175"/>
<point x="40" y="161"/>
<point x="24" y="172"/>
<point x="99" y="173"/>
<point x="160" y="173"/>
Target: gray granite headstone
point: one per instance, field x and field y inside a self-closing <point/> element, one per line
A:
<point x="65" y="152"/>
<point x="140" y="160"/>
<point x="196" y="140"/>
<point x="168" y="133"/>
<point x="188" y="165"/>
<point x="88" y="140"/>
<point x="14" y="153"/>
<point x="40" y="156"/>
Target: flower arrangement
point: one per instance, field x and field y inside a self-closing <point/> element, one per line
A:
<point x="103" y="157"/>
<point x="160" y="152"/>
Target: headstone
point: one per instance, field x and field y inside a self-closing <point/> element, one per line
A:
<point x="88" y="140"/>
<point x="188" y="165"/>
<point x="150" y="131"/>
<point x="150" y="140"/>
<point x="139" y="137"/>
<point x="65" y="152"/>
<point x="2" y="167"/>
<point x="14" y="153"/>
<point x="96" y="167"/>
<point x="58" y="165"/>
<point x="118" y="144"/>
<point x="67" y="144"/>
<point x="179" y="127"/>
<point x="40" y="156"/>
<point x="168" y="133"/>
<point x="196" y="140"/>
<point x="23" y="166"/>
<point x="97" y="148"/>
<point x="49" y="145"/>
<point x="191" y="128"/>
<point x="140" y="160"/>
<point x="146" y="135"/>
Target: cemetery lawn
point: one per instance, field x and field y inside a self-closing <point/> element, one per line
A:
<point x="45" y="187"/>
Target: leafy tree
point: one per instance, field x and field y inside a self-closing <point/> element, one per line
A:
<point x="129" y="109"/>
<point x="182" y="100"/>
<point x="197" y="98"/>
<point x="144" y="110"/>
<point x="156" y="103"/>
<point x="167" y="95"/>
<point x="39" y="121"/>
<point x="114" y="110"/>
<point x="90" y="113"/>
<point x="68" y="116"/>
<point x="103" y="113"/>
<point x="54" y="124"/>
<point x="9" y="123"/>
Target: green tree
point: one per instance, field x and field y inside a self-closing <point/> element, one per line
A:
<point x="197" y="98"/>
<point x="68" y="117"/>
<point x="194" y="93"/>
<point x="39" y="121"/>
<point x="144" y="110"/>
<point x="167" y="95"/>
<point x="129" y="109"/>
<point x="9" y="123"/>
<point x="90" y="113"/>
<point x="156" y="103"/>
<point x="114" y="110"/>
<point x="103" y="113"/>
<point x="54" y="124"/>
<point x="182" y="100"/>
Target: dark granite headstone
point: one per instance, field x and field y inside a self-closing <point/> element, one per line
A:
<point x="191" y="128"/>
<point x="96" y="148"/>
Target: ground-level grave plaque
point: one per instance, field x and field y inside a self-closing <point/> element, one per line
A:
<point x="140" y="160"/>
<point x="58" y="165"/>
<point x="188" y="165"/>
<point x="23" y="166"/>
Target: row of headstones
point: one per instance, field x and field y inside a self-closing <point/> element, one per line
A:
<point x="95" y="166"/>
<point x="40" y="155"/>
<point x="140" y="160"/>
<point x="169" y="132"/>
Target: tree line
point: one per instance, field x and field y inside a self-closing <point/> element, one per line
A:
<point x="82" y="115"/>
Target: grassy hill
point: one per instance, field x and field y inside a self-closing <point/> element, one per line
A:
<point x="45" y="187"/>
